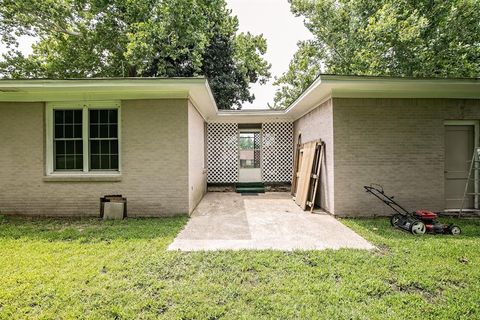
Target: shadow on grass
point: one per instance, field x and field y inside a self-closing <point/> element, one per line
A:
<point x="88" y="229"/>
<point x="380" y="227"/>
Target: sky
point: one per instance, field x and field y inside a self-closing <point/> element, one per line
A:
<point x="273" y="19"/>
<point x="281" y="28"/>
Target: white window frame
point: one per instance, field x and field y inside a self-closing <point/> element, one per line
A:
<point x="85" y="106"/>
<point x="253" y="174"/>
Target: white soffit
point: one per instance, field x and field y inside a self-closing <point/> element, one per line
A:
<point x="106" y="89"/>
<point x="333" y="86"/>
<point x="199" y="92"/>
<point x="251" y="116"/>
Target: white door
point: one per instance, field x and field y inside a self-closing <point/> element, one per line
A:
<point x="249" y="156"/>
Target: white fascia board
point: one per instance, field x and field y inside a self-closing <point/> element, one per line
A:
<point x="108" y="89"/>
<point x="251" y="112"/>
<point x="199" y="92"/>
<point x="251" y="118"/>
<point x="101" y="83"/>
<point x="87" y="95"/>
<point x="318" y="92"/>
<point x="304" y="94"/>
<point x="202" y="98"/>
<point x="333" y="86"/>
<point x="195" y="89"/>
<point x="351" y="86"/>
<point x="409" y="88"/>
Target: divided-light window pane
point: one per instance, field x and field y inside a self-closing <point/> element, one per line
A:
<point x="68" y="140"/>
<point x="103" y="139"/>
<point x="249" y="143"/>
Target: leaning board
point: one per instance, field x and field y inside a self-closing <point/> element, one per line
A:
<point x="305" y="170"/>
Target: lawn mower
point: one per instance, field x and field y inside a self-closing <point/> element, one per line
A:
<point x="417" y="222"/>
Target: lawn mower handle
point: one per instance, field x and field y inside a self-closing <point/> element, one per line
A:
<point x="377" y="191"/>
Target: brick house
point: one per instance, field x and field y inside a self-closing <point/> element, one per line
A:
<point x="160" y="142"/>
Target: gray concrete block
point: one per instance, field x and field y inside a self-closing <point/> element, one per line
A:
<point x="113" y="210"/>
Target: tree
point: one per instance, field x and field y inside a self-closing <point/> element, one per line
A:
<point x="231" y="66"/>
<point x="134" y="38"/>
<point x="406" y="38"/>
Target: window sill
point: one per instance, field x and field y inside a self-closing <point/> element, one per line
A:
<point x="60" y="177"/>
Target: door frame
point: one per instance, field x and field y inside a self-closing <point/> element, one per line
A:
<point x="253" y="130"/>
<point x="476" y="137"/>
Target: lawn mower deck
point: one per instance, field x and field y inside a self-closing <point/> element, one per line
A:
<point x="418" y="222"/>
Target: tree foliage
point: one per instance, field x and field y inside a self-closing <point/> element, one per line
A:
<point x="135" y="38"/>
<point x="407" y="38"/>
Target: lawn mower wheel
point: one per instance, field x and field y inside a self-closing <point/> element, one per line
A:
<point x="418" y="228"/>
<point x="454" y="230"/>
<point x="395" y="219"/>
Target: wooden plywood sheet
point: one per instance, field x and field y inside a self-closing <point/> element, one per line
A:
<point x="305" y="171"/>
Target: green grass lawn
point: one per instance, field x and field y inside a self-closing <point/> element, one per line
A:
<point x="87" y="268"/>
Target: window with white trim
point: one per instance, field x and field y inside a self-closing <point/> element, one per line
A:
<point x="83" y="138"/>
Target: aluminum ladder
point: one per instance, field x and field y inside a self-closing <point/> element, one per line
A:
<point x="473" y="175"/>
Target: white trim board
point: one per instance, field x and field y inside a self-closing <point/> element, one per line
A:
<point x="198" y="90"/>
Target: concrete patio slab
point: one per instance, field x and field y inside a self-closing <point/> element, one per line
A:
<point x="230" y="221"/>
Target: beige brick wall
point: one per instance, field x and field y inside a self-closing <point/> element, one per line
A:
<point x="318" y="124"/>
<point x="197" y="179"/>
<point x="398" y="143"/>
<point x="154" y="163"/>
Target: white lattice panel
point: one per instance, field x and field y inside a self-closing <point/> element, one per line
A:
<point x="222" y="152"/>
<point x="277" y="151"/>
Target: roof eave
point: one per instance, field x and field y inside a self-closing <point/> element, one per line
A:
<point x="337" y="86"/>
<point x="41" y="90"/>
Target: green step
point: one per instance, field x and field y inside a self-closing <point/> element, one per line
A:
<point x="249" y="185"/>
<point x="250" y="190"/>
